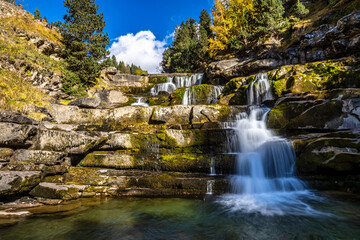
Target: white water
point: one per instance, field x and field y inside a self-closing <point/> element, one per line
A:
<point x="140" y="102"/>
<point x="209" y="187"/>
<point x="259" y="90"/>
<point x="265" y="164"/>
<point x="176" y="82"/>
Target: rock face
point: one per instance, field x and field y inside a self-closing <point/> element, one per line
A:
<point x="326" y="43"/>
<point x="142" y="151"/>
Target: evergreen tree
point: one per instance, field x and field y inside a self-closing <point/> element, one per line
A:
<point x="45" y="19"/>
<point x="205" y="22"/>
<point x="85" y="43"/>
<point x="37" y="15"/>
<point x="270" y="16"/>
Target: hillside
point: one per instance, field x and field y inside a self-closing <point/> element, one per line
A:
<point x="30" y="67"/>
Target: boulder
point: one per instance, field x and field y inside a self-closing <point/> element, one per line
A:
<point x="18" y="182"/>
<point x="215" y="113"/>
<point x="54" y="191"/>
<point x="334" y="114"/>
<point x="47" y="162"/>
<point x="331" y="154"/>
<point x="179" y="114"/>
<point x="16" y="135"/>
<point x="12" y="117"/>
<point x="69" y="142"/>
<point x="86" y="102"/>
<point x="117" y="97"/>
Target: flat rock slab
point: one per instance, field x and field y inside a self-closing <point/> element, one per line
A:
<point x="54" y="191"/>
<point x="38" y="157"/>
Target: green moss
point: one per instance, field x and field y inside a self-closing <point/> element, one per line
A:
<point x="156" y="80"/>
<point x="176" y="96"/>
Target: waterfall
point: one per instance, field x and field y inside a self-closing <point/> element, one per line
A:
<point x="265" y="162"/>
<point x="176" y="82"/>
<point x="191" y="97"/>
<point x="259" y="90"/>
<point x="140" y="102"/>
<point x="168" y="87"/>
<point x="264" y="179"/>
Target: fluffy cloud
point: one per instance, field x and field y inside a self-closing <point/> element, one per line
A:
<point x="141" y="49"/>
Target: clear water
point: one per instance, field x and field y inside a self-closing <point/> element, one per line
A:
<point x="190" y="219"/>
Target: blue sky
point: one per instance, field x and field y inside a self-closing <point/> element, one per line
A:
<point x="134" y="26"/>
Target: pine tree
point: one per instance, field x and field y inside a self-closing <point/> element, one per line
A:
<point x="85" y="43"/>
<point x="37" y="15"/>
<point x="45" y="19"/>
<point x="205" y="22"/>
<point x="270" y="16"/>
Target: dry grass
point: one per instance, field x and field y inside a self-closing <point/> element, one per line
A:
<point x="18" y="95"/>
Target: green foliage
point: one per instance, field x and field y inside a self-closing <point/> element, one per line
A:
<point x="72" y="84"/>
<point x="300" y="10"/>
<point x="188" y="51"/>
<point x="122" y="67"/>
<point x="85" y="44"/>
<point x="269" y="17"/>
<point x="37" y="15"/>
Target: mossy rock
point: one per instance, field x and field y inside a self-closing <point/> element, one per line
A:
<point x="309" y="114"/>
<point x="176" y="96"/>
<point x="329" y="156"/>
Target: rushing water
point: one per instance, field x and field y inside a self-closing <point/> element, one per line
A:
<point x="265" y="179"/>
<point x="187" y="219"/>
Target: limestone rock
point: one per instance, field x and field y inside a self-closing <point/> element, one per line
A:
<point x="120" y="161"/>
<point x="116" y="97"/>
<point x="86" y="102"/>
<point x="179" y="114"/>
<point x="5" y="154"/>
<point x="335" y="114"/>
<point x="18" y="182"/>
<point x="70" y="142"/>
<point x="54" y="191"/>
<point x="16" y="135"/>
<point x="12" y="117"/>
<point x="38" y="157"/>
<point x="214" y="113"/>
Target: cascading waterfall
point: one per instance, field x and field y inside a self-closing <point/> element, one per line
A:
<point x="176" y="82"/>
<point x="264" y="181"/>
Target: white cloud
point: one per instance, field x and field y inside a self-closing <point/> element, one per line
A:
<point x="141" y="49"/>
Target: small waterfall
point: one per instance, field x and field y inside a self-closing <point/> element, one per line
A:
<point x="216" y="92"/>
<point x="259" y="90"/>
<point x="140" y="102"/>
<point x="209" y="187"/>
<point x="212" y="167"/>
<point x="168" y="87"/>
<point x="176" y="82"/>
